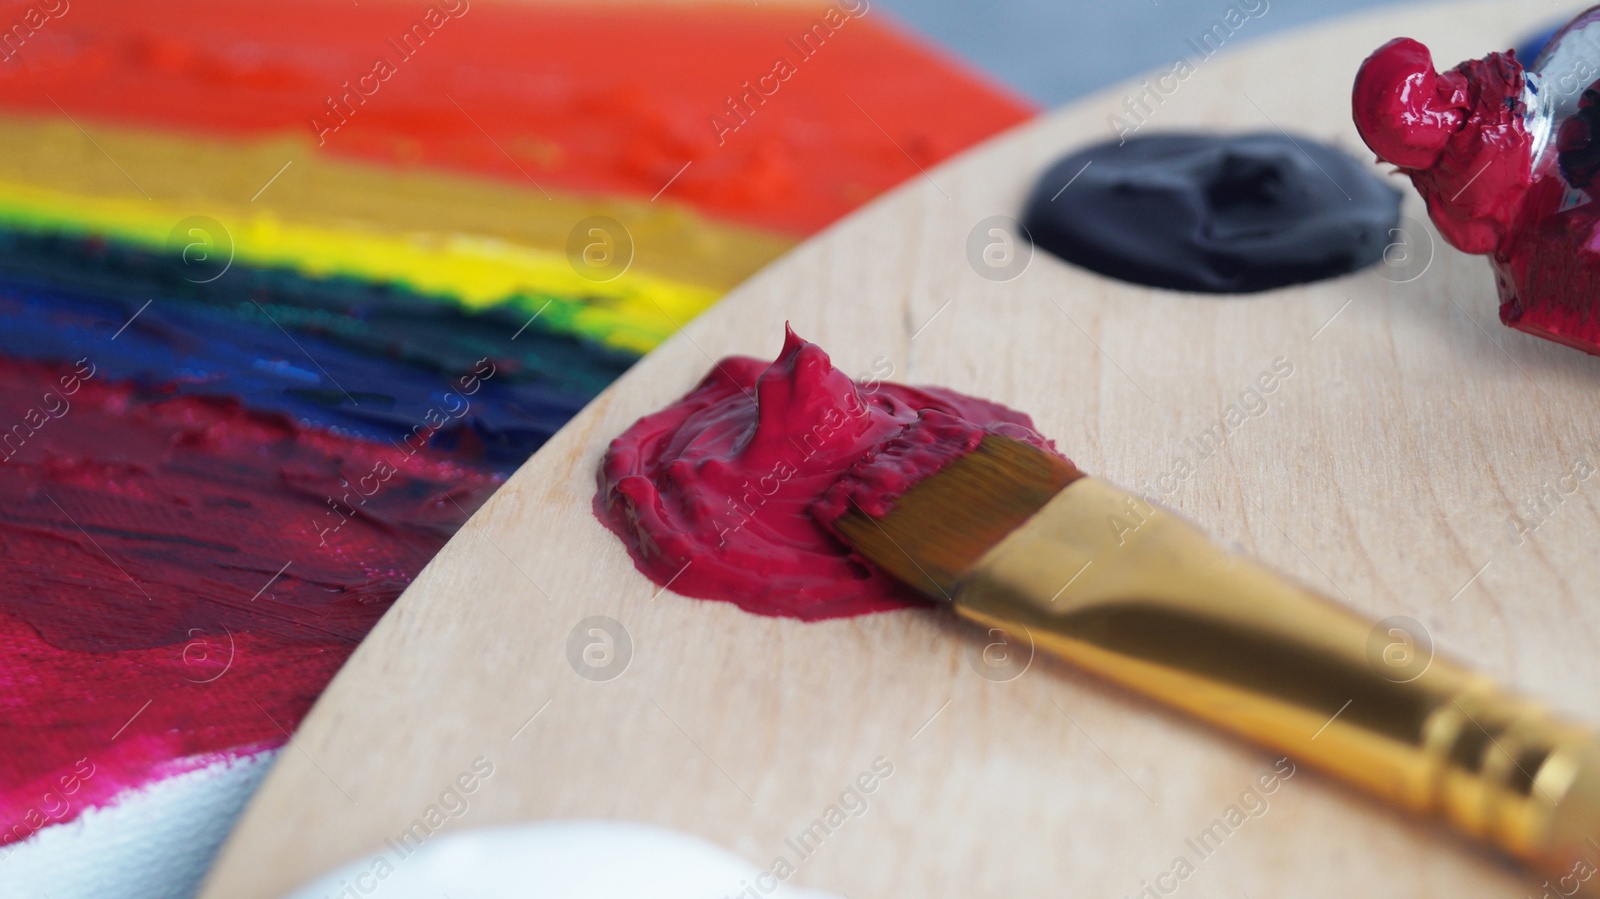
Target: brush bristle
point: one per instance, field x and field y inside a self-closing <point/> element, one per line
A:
<point x="937" y="529"/>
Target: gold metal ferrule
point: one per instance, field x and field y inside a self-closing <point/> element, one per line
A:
<point x="1142" y="597"/>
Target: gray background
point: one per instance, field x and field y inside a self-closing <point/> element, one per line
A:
<point x="1038" y="47"/>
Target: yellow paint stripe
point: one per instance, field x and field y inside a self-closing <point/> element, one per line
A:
<point x="480" y="243"/>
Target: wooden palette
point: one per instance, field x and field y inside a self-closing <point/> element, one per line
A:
<point x="1387" y="469"/>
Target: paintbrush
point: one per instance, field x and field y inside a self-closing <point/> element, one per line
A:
<point x="1017" y="538"/>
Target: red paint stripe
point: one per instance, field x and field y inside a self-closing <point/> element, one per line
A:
<point x="613" y="101"/>
<point x="186" y="553"/>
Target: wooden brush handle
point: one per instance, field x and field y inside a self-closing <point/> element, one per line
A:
<point x="1142" y="597"/>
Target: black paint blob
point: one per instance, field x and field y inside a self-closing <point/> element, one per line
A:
<point x="1214" y="213"/>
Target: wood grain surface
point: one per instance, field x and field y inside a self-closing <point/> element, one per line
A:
<point x="1389" y="468"/>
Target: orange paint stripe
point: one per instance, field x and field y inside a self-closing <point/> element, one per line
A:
<point x="618" y="100"/>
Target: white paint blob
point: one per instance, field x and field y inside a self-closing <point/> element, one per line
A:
<point x="557" y="860"/>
